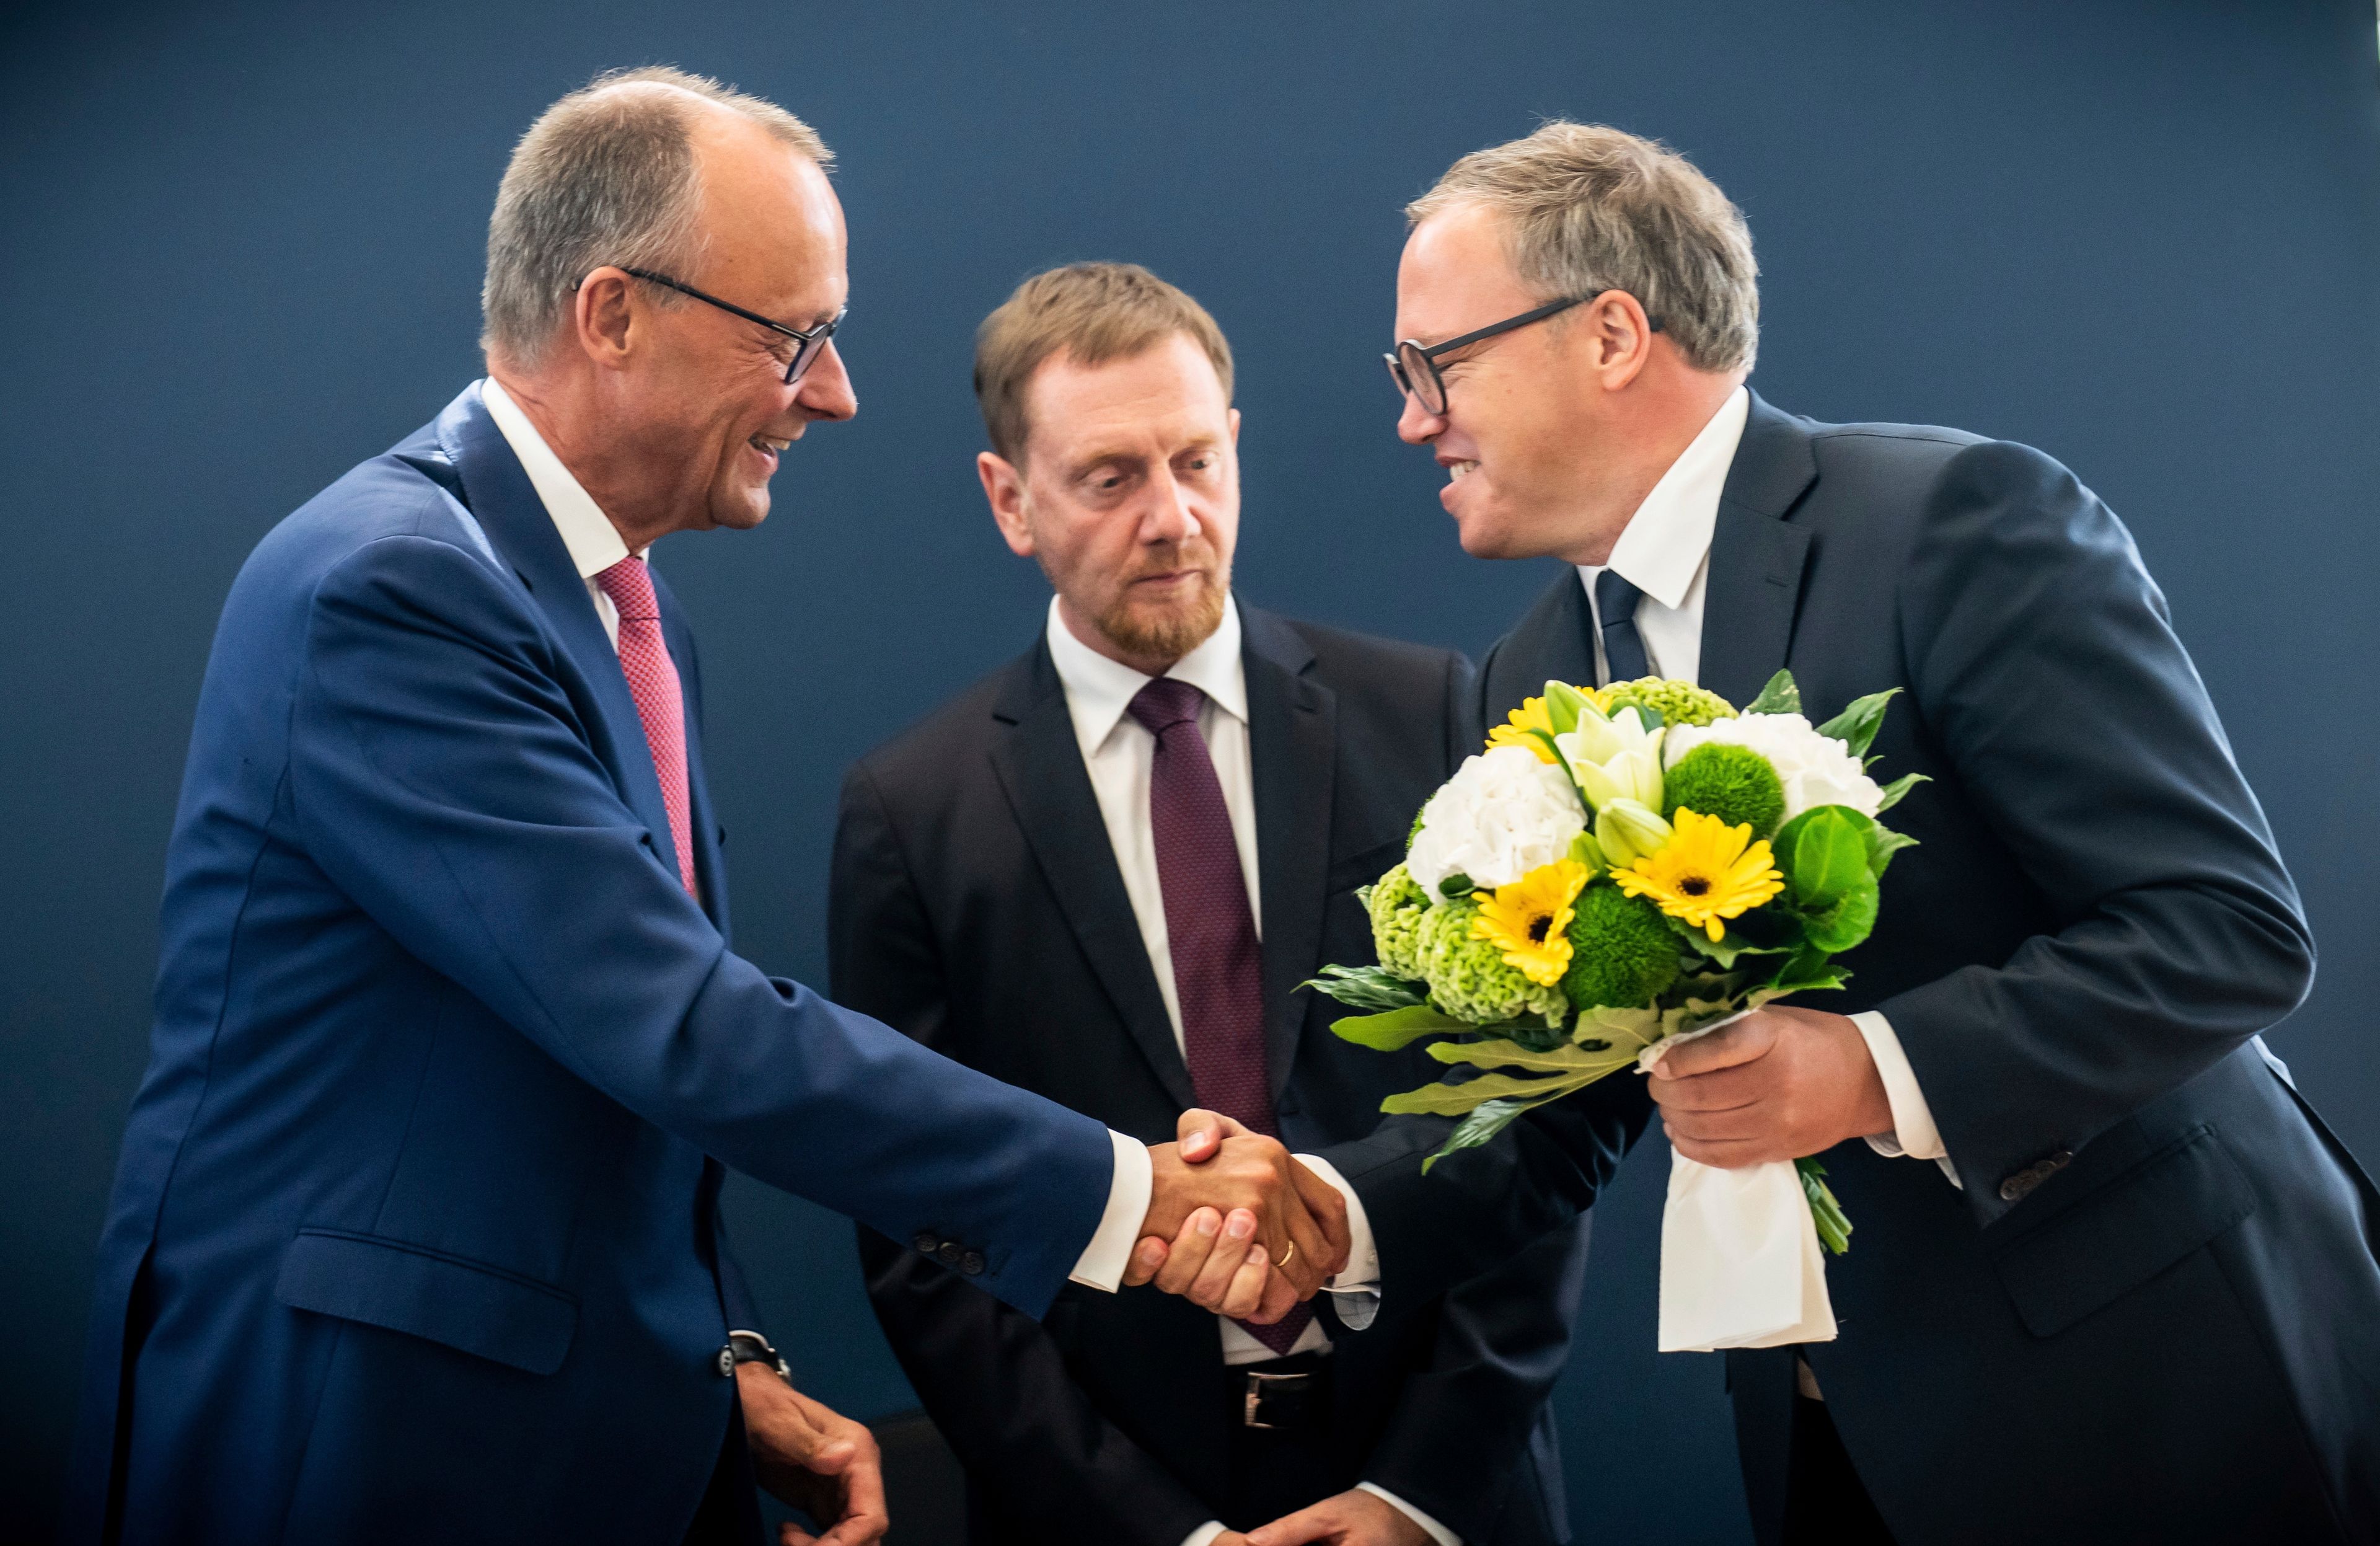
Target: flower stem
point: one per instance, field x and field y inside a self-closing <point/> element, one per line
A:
<point x="1834" y="1228"/>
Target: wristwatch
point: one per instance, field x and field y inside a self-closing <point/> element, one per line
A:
<point x="752" y="1347"/>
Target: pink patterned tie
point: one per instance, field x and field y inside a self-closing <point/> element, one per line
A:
<point x="653" y="680"/>
<point x="1210" y="931"/>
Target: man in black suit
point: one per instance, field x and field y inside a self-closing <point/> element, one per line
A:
<point x="2113" y="1278"/>
<point x="1100" y="874"/>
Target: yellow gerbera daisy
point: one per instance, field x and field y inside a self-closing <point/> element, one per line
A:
<point x="1530" y="716"/>
<point x="1708" y="872"/>
<point x="1529" y="920"/>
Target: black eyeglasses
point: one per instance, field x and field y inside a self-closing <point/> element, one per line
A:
<point x="1414" y="368"/>
<point x="808" y="342"/>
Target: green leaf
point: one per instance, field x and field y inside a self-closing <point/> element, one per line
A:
<point x="1723" y="950"/>
<point x="1536" y="1035"/>
<point x="1566" y="1059"/>
<point x="1455" y="888"/>
<point x="1805" y="971"/>
<point x="1856" y="726"/>
<point x="1563" y="705"/>
<point x="1368" y="988"/>
<point x="1824" y="854"/>
<point x="1396" y="1029"/>
<point x="1896" y="790"/>
<point x="1848" y="922"/>
<point x="1882" y="843"/>
<point x="1779" y="697"/>
<point x="1478" y="1127"/>
<point x="1453" y="1099"/>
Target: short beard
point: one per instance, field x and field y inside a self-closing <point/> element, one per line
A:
<point x="1170" y="633"/>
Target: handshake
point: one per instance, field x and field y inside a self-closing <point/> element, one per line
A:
<point x="1235" y="1224"/>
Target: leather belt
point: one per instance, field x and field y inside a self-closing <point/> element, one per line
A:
<point x="1286" y="1393"/>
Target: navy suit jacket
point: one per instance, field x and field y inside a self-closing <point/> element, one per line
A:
<point x="2153" y="1311"/>
<point x="414" y="1231"/>
<point x="978" y="905"/>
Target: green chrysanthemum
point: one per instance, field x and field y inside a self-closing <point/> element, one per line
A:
<point x="1679" y="702"/>
<point x="1397" y="905"/>
<point x="1623" y="954"/>
<point x="1468" y="977"/>
<point x="1732" y="782"/>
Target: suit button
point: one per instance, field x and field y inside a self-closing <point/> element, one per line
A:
<point x="950" y="1253"/>
<point x="927" y="1243"/>
<point x="727" y="1361"/>
<point x="972" y="1263"/>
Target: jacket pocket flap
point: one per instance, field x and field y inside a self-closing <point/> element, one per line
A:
<point x="464" y="1304"/>
<point x="2133" y="1228"/>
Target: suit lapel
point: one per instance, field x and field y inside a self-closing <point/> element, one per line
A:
<point x="1549" y="643"/>
<point x="1039" y="765"/>
<point x="500" y="496"/>
<point x="1758" y="559"/>
<point x="1293" y="741"/>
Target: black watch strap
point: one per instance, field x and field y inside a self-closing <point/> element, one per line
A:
<point x="752" y="1347"/>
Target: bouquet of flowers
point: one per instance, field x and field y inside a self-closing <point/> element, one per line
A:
<point x="1619" y="867"/>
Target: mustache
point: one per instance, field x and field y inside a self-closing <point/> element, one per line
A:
<point x="1173" y="558"/>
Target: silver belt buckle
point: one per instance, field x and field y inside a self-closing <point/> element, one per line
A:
<point x="1253" y="1404"/>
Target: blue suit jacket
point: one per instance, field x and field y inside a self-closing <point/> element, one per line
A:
<point x="414" y="1231"/>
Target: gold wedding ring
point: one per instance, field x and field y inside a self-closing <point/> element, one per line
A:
<point x="1290" y="1258"/>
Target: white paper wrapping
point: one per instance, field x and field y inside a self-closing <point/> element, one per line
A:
<point x="1741" y="1264"/>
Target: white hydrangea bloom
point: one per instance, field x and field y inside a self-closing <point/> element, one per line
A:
<point x="1816" y="769"/>
<point x="1502" y="815"/>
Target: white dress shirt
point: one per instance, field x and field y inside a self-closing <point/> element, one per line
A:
<point x="595" y="545"/>
<point x="1665" y="553"/>
<point x="1118" y="752"/>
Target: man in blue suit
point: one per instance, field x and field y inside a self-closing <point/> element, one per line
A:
<point x="415" y="1235"/>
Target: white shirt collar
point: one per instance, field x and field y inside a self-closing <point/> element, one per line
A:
<point x="1099" y="690"/>
<point x="594" y="543"/>
<point x="1666" y="540"/>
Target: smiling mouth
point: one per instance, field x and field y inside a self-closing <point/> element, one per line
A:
<point x="1457" y="471"/>
<point x="768" y="445"/>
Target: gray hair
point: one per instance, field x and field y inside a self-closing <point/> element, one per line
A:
<point x="1588" y="207"/>
<point x="605" y="175"/>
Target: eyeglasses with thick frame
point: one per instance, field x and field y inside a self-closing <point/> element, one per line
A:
<point x="1413" y="366"/>
<point x="808" y="343"/>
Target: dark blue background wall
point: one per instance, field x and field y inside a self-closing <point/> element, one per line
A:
<point x="240" y="247"/>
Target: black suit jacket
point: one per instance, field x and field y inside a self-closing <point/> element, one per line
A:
<point x="2152" y="1313"/>
<point x="976" y="905"/>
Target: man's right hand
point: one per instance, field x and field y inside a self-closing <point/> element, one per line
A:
<point x="1236" y="1223"/>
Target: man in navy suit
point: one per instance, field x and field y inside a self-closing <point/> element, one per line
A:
<point x="415" y="1235"/>
<point x="1013" y="886"/>
<point x="2113" y="1278"/>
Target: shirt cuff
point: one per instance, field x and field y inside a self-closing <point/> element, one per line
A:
<point x="1203" y="1535"/>
<point x="1913" y="1133"/>
<point x="1355" y="1291"/>
<point x="1430" y="1527"/>
<point x="1103" y="1260"/>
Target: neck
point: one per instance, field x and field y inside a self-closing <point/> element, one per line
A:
<point x="1654" y="420"/>
<point x="609" y="461"/>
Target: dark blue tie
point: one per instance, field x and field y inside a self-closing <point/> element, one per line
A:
<point x="1615" y="613"/>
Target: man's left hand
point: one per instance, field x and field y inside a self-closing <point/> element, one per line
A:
<point x="1777" y="1085"/>
<point x="1350" y="1518"/>
<point x="814" y="1458"/>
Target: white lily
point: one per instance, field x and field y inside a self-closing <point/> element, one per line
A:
<point x="1627" y="830"/>
<point x="1614" y="759"/>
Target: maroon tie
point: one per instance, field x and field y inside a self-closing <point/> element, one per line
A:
<point x="1210" y="933"/>
<point x="652" y="681"/>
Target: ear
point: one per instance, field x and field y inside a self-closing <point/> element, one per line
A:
<point x="602" y="316"/>
<point x="1004" y="490"/>
<point x="1617" y="337"/>
<point x="1232" y="418"/>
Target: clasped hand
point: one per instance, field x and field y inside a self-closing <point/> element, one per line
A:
<point x="1235" y="1224"/>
